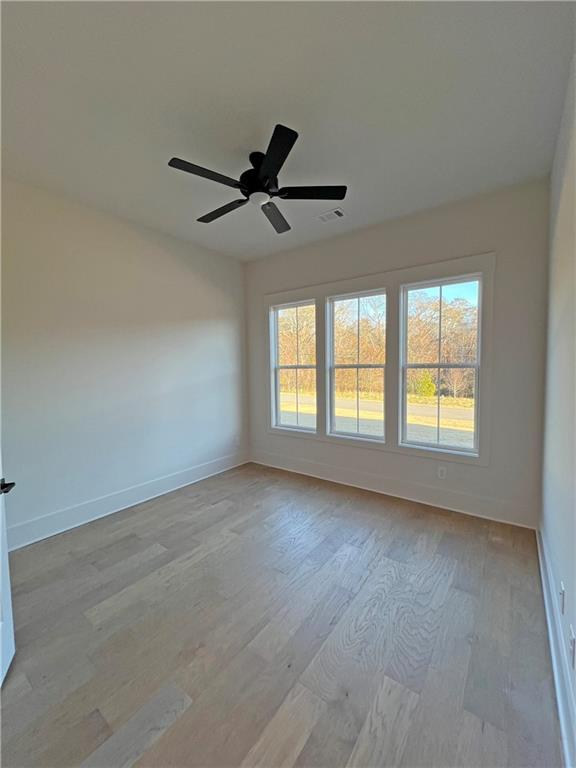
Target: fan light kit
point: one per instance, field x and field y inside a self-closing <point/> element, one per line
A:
<point x="259" y="184"/>
<point x="259" y="198"/>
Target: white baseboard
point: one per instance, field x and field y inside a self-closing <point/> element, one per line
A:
<point x="454" y="501"/>
<point x="563" y="676"/>
<point x="61" y="520"/>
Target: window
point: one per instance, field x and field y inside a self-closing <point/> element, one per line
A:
<point x="406" y="368"/>
<point x="294" y="365"/>
<point x="440" y="364"/>
<point x="357" y="358"/>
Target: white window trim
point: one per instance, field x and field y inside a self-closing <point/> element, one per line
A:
<point x="275" y="367"/>
<point x="331" y="366"/>
<point x="404" y="365"/>
<point x="391" y="282"/>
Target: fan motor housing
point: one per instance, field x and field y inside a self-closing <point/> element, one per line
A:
<point x="250" y="181"/>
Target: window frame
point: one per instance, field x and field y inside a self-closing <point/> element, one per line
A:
<point x="404" y="365"/>
<point x="426" y="270"/>
<point x="275" y="366"/>
<point x="331" y="366"/>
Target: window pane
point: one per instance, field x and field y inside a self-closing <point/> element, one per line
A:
<point x="423" y="324"/>
<point x="306" y="334"/>
<point x="371" y="402"/>
<point x="287" y="398"/>
<point x="421" y="405"/>
<point x="345" y="331"/>
<point x="372" y="320"/>
<point x="460" y="322"/>
<point x="287" y="337"/>
<point x="457" y="406"/>
<point x="345" y="400"/>
<point x="307" y="398"/>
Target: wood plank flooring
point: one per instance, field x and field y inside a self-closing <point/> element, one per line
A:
<point x="261" y="618"/>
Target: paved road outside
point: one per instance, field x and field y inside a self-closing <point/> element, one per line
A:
<point x="456" y="422"/>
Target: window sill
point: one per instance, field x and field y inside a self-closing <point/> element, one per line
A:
<point x="405" y="449"/>
<point x="440" y="450"/>
<point x="296" y="431"/>
<point x="360" y="440"/>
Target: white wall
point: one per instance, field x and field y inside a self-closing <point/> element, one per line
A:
<point x="123" y="373"/>
<point x="512" y="222"/>
<point x="122" y="362"/>
<point x="558" y="526"/>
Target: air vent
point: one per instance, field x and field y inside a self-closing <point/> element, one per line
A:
<point x="335" y="213"/>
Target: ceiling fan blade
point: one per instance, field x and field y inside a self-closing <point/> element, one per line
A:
<point x="278" y="150"/>
<point x="275" y="218"/>
<point x="312" y="193"/>
<point x="197" y="170"/>
<point x="208" y="217"/>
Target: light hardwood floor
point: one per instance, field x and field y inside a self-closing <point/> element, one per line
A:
<point x="261" y="618"/>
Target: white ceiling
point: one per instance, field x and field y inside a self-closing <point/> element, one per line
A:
<point x="410" y="104"/>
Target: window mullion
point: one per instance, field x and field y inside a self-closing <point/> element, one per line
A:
<point x="357" y="364"/>
<point x="297" y="364"/>
<point x="438" y="371"/>
<point x="320" y="366"/>
<point x="358" y="330"/>
<point x="438" y="406"/>
<point x="276" y="397"/>
<point x="384" y="398"/>
<point x="276" y="370"/>
<point x="357" y="400"/>
<point x="455" y="366"/>
<point x="300" y="367"/>
<point x="297" y="399"/>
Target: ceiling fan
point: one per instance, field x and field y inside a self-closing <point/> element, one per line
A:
<point x="259" y="184"/>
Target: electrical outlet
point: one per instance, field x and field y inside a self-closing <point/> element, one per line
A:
<point x="572" y="647"/>
<point x="562" y="597"/>
<point x="441" y="472"/>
